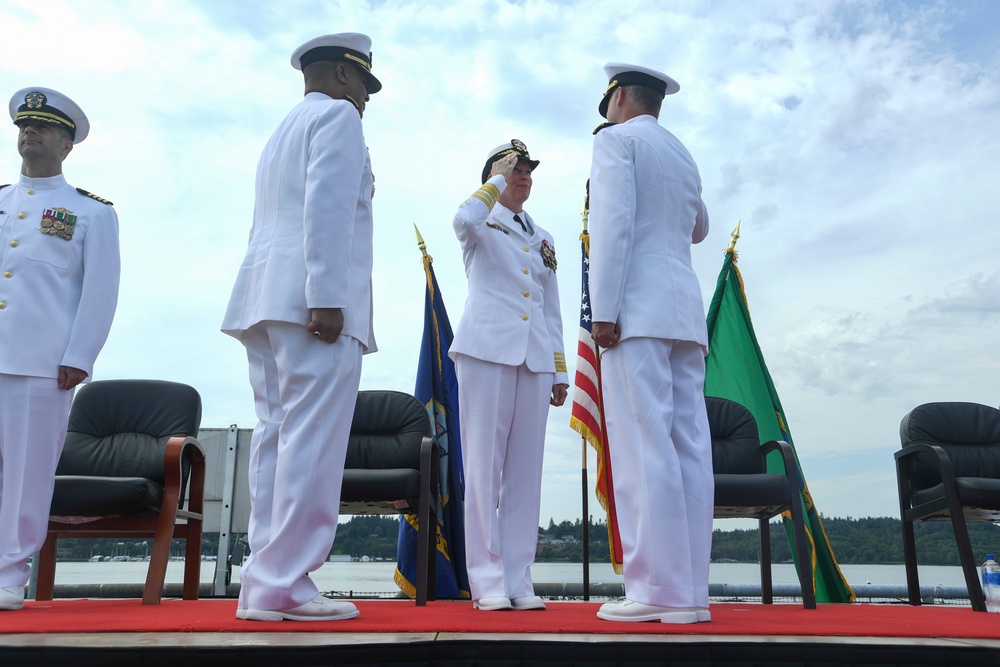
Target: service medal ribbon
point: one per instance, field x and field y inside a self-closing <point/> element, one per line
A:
<point x="58" y="222"/>
<point x="549" y="255"/>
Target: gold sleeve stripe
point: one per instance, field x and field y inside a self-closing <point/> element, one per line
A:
<point x="560" y="360"/>
<point x="481" y="197"/>
<point x="488" y="194"/>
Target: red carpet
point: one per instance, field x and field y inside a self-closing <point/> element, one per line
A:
<point x="398" y="616"/>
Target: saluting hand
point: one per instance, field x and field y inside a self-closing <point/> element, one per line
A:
<point x="504" y="166"/>
<point x="326" y="323"/>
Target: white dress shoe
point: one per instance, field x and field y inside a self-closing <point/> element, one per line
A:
<point x="703" y="614"/>
<point x="528" y="602"/>
<point x="630" y="611"/>
<point x="492" y="604"/>
<point x="317" y="609"/>
<point x="11" y="598"/>
<point x="241" y="614"/>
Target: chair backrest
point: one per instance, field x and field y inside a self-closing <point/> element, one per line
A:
<point x="387" y="430"/>
<point x="735" y="440"/>
<point x="968" y="432"/>
<point x="120" y="428"/>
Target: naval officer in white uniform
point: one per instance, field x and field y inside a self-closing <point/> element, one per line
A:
<point x="646" y="211"/>
<point x="508" y="353"/>
<point x="59" y="270"/>
<point x="302" y="306"/>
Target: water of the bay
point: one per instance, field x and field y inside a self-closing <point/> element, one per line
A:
<point x="377" y="577"/>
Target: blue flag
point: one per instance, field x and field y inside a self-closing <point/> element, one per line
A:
<point x="437" y="388"/>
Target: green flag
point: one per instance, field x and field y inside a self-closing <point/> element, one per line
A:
<point x="735" y="369"/>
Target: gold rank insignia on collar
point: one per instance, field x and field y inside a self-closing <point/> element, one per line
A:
<point x="93" y="196"/>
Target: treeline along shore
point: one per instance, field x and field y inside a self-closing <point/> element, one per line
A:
<point x="873" y="540"/>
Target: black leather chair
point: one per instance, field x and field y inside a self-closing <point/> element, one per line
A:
<point x="392" y="468"/>
<point x="948" y="469"/>
<point x="744" y="488"/>
<point x="129" y="456"/>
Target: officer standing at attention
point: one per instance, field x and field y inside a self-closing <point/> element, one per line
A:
<point x="59" y="270"/>
<point x="509" y="360"/>
<point x="645" y="213"/>
<point x="302" y="306"/>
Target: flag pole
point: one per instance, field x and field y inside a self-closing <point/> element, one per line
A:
<point x="585" y="214"/>
<point x="420" y="241"/>
<point x="734" y="236"/>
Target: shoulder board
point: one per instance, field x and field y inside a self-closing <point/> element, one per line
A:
<point x="93" y="196"/>
<point x="4" y="185"/>
<point x="603" y="126"/>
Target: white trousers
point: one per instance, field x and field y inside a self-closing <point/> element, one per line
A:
<point x="503" y="414"/>
<point x="33" y="416"/>
<point x="305" y="391"/>
<point x="661" y="458"/>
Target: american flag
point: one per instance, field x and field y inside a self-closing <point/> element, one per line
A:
<point x="587" y="415"/>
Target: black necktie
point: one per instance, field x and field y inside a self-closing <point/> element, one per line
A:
<point x="517" y="219"/>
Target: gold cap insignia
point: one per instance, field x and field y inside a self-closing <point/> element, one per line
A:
<point x="35" y="100"/>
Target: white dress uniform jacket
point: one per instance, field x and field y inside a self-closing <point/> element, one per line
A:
<point x="58" y="293"/>
<point x="310" y="246"/>
<point x="641" y="275"/>
<point x="508" y="340"/>
<point x="646" y="211"/>
<point x="512" y="310"/>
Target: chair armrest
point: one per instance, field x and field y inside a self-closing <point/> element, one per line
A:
<point x="178" y="447"/>
<point x="430" y="454"/>
<point x="787" y="459"/>
<point x="945" y="467"/>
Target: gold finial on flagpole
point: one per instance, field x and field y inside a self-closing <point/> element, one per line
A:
<point x="734" y="236"/>
<point x="420" y="241"/>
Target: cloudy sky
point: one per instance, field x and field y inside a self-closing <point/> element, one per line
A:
<point x="857" y="141"/>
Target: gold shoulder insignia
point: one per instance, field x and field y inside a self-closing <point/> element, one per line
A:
<point x="93" y="196"/>
<point x="602" y="126"/>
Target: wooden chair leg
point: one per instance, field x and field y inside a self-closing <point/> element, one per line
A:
<point x="46" y="568"/>
<point x="192" y="559"/>
<point x="157" y="572"/>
